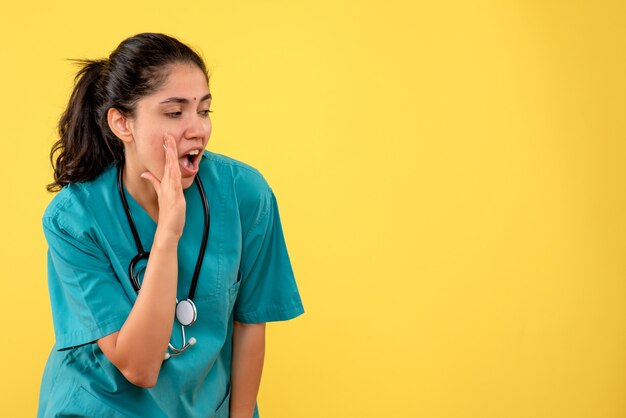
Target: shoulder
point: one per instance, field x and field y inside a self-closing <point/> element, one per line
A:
<point x="243" y="175"/>
<point x="251" y="190"/>
<point x="247" y="181"/>
<point x="75" y="203"/>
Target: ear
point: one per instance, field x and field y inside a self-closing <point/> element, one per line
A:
<point x="120" y="125"/>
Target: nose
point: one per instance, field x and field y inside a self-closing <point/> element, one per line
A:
<point x="198" y="128"/>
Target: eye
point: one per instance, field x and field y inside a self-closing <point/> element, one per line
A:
<point x="174" y="115"/>
<point x="205" y="113"/>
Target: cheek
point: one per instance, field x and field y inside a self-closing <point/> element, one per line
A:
<point x="152" y="153"/>
<point x="152" y="146"/>
<point x="158" y="155"/>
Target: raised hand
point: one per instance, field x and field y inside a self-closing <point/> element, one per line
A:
<point x="137" y="348"/>
<point x="172" y="205"/>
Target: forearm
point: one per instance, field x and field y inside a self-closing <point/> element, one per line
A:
<point x="137" y="349"/>
<point x="247" y="366"/>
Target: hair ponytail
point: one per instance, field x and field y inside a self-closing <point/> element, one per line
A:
<point x="84" y="148"/>
<point x="136" y="68"/>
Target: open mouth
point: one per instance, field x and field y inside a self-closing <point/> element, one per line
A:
<point x="190" y="160"/>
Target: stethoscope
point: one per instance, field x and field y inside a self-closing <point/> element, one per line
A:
<point x="186" y="313"/>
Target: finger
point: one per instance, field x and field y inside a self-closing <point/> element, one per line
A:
<point x="152" y="179"/>
<point x="167" y="163"/>
<point x="171" y="144"/>
<point x="173" y="154"/>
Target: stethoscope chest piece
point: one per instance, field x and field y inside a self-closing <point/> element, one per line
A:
<point x="186" y="313"/>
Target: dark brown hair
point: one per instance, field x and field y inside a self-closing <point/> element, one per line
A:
<point x="136" y="68"/>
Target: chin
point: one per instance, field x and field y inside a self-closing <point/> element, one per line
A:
<point x="186" y="182"/>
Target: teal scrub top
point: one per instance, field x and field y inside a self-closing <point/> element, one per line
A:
<point x="246" y="276"/>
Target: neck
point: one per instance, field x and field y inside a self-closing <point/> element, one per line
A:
<point x="141" y="190"/>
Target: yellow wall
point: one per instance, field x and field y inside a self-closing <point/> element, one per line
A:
<point x="450" y="176"/>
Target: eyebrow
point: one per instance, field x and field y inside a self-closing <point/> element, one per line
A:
<point x="184" y="100"/>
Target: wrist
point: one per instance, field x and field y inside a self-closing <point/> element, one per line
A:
<point x="165" y="241"/>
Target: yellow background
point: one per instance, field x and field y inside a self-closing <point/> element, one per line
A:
<point x="451" y="182"/>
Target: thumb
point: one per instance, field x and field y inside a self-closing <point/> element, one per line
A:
<point x="146" y="175"/>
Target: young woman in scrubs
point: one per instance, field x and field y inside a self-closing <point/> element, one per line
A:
<point x="144" y="110"/>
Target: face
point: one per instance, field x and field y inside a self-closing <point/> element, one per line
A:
<point x="180" y="108"/>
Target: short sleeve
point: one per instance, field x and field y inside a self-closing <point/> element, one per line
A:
<point x="268" y="290"/>
<point x="87" y="300"/>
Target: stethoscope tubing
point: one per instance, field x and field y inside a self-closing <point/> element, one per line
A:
<point x="205" y="238"/>
<point x="146" y="254"/>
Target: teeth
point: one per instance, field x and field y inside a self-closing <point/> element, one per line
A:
<point x="194" y="152"/>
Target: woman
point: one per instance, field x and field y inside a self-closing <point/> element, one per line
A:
<point x="134" y="177"/>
